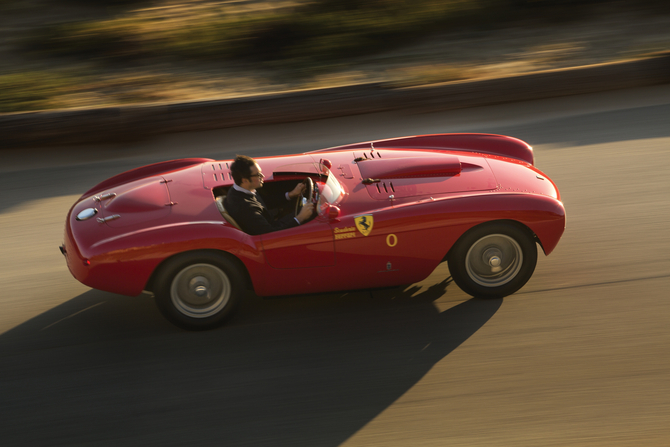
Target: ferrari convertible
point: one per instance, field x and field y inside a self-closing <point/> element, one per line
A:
<point x="387" y="212"/>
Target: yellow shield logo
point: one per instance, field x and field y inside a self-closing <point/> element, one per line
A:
<point x="364" y="224"/>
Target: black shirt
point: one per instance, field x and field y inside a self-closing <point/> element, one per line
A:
<point x="250" y="212"/>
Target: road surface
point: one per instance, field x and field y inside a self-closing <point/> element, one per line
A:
<point x="578" y="357"/>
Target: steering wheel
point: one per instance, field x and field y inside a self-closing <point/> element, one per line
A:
<point x="306" y="195"/>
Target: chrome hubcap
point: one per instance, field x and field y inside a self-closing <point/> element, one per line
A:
<point x="493" y="257"/>
<point x="494" y="260"/>
<point x="200" y="290"/>
<point x="199" y="286"/>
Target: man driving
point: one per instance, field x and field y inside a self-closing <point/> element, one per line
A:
<point x="249" y="209"/>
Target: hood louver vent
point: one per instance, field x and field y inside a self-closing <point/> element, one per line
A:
<point x="367" y="156"/>
<point x="220" y="173"/>
<point x="430" y="174"/>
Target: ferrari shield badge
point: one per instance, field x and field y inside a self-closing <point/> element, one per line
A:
<point x="364" y="224"/>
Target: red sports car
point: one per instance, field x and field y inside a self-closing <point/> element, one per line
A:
<point x="387" y="213"/>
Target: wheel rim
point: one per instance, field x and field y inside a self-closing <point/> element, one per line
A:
<point x="200" y="290"/>
<point x="494" y="260"/>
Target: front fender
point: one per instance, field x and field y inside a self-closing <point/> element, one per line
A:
<point x="543" y="215"/>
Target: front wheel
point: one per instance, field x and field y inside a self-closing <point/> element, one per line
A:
<point x="199" y="291"/>
<point x="493" y="260"/>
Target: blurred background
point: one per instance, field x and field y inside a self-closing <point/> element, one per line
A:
<point x="79" y="53"/>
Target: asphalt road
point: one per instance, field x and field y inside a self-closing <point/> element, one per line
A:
<point x="578" y="357"/>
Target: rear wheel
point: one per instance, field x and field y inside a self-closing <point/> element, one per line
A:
<point x="493" y="260"/>
<point x="200" y="290"/>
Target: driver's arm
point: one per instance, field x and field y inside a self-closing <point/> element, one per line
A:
<point x="305" y="213"/>
<point x="299" y="188"/>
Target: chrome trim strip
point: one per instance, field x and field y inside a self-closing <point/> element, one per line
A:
<point x="108" y="218"/>
<point x="109" y="195"/>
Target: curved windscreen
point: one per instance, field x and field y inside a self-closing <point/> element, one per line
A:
<point x="331" y="191"/>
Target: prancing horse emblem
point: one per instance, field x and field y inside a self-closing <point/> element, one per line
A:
<point x="364" y="224"/>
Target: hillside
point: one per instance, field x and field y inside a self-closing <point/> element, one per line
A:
<point x="71" y="54"/>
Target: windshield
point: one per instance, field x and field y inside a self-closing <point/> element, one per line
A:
<point x="331" y="191"/>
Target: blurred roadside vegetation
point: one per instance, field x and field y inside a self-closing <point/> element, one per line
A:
<point x="297" y="37"/>
<point x="31" y="91"/>
<point x="308" y="32"/>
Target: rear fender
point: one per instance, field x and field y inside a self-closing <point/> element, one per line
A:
<point x="150" y="285"/>
<point x="127" y="264"/>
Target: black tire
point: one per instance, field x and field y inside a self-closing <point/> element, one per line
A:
<point x="493" y="260"/>
<point x="199" y="290"/>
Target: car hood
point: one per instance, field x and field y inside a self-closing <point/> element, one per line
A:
<point x="427" y="174"/>
<point x="519" y="177"/>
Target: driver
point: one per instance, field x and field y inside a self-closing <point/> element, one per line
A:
<point x="249" y="209"/>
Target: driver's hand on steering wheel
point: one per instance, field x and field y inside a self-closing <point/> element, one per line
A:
<point x="306" y="212"/>
<point x="299" y="188"/>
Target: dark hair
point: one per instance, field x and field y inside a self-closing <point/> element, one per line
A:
<point x="241" y="168"/>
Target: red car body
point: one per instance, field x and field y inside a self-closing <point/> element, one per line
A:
<point x="420" y="196"/>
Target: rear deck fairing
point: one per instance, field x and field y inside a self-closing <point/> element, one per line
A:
<point x="155" y="169"/>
